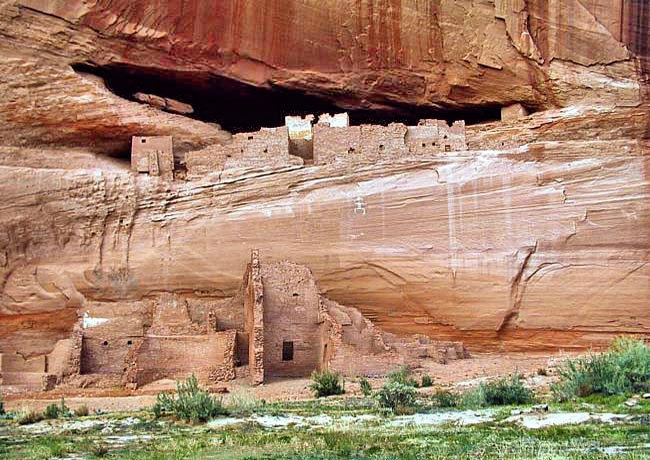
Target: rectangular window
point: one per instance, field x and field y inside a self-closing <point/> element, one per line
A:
<point x="287" y="351"/>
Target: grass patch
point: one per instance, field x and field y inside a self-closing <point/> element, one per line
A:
<point x="625" y="368"/>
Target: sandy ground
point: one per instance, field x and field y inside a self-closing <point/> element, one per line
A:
<point x="460" y="374"/>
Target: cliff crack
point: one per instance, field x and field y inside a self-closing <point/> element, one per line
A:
<point x="517" y="289"/>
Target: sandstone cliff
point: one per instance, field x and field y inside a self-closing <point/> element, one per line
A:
<point x="537" y="237"/>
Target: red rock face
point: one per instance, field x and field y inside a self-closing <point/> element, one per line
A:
<point x="535" y="238"/>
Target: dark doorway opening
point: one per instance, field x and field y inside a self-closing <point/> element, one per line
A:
<point x="287" y="351"/>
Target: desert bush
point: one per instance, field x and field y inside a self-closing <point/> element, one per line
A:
<point x="396" y="396"/>
<point x="82" y="411"/>
<point x="427" y="381"/>
<point x="190" y="403"/>
<point x="326" y="383"/>
<point x="445" y="398"/>
<point x="403" y="376"/>
<point x="624" y="368"/>
<point x="99" y="450"/>
<point x="501" y="392"/>
<point x="27" y="416"/>
<point x="364" y="384"/>
<point x="55" y="410"/>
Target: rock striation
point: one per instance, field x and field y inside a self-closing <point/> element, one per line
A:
<point x="533" y="234"/>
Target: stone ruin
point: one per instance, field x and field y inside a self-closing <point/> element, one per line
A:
<point x="277" y="325"/>
<point x="153" y="155"/>
<point x="300" y="142"/>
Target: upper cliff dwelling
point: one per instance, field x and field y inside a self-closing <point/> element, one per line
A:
<point x="240" y="107"/>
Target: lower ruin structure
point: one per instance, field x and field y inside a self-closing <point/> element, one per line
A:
<point x="277" y="325"/>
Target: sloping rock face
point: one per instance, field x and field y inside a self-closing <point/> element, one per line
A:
<point x="536" y="237"/>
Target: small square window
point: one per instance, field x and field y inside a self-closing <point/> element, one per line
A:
<point x="287" y="351"/>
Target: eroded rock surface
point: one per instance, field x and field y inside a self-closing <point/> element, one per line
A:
<point x="535" y="237"/>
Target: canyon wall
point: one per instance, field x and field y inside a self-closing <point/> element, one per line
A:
<point x="537" y="237"/>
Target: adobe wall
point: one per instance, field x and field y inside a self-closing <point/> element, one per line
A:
<point x="268" y="147"/>
<point x="370" y="143"/>
<point x="153" y="155"/>
<point x="291" y="314"/>
<point x="109" y="329"/>
<point x="210" y="357"/>
<point x="254" y="318"/>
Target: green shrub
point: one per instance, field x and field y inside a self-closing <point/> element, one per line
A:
<point x="190" y="403"/>
<point x="396" y="396"/>
<point x="403" y="376"/>
<point x="52" y="411"/>
<point x="501" y="392"/>
<point x="56" y="410"/>
<point x="27" y="416"/>
<point x="445" y="398"/>
<point x="427" y="381"/>
<point x="2" y="407"/>
<point x="507" y="391"/>
<point x="326" y="383"/>
<point x="99" y="450"/>
<point x="625" y="368"/>
<point x="366" y="389"/>
<point x="82" y="411"/>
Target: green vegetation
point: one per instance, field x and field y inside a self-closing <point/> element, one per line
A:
<point x="241" y="404"/>
<point x="366" y="389"/>
<point x="625" y="368"/>
<point x="82" y="411"/>
<point x="427" y="381"/>
<point x="326" y="383"/>
<point x="28" y="416"/>
<point x="504" y="392"/>
<point x="248" y="441"/>
<point x="2" y="406"/>
<point x="403" y="377"/>
<point x="54" y="410"/>
<point x="191" y="403"/>
<point x="445" y="399"/>
<point x="397" y="397"/>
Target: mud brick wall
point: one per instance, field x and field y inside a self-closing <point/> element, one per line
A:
<point x="333" y="144"/>
<point x="380" y="142"/>
<point x="153" y="155"/>
<point x="268" y="147"/>
<point x="104" y="355"/>
<point x="179" y="356"/>
<point x="254" y="318"/>
<point x="14" y="362"/>
<point x="291" y="313"/>
<point x="109" y="329"/>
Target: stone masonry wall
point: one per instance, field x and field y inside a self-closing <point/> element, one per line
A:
<point x="268" y="147"/>
<point x="291" y="314"/>
<point x="176" y="357"/>
<point x="254" y="318"/>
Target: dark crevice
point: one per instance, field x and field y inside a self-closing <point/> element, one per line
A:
<point x="240" y="107"/>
